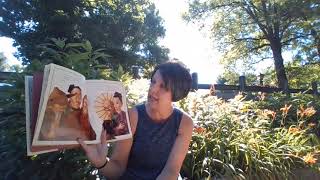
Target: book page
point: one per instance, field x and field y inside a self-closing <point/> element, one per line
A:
<point x="44" y="85"/>
<point x="28" y="104"/>
<point x="62" y="115"/>
<point x="107" y="105"/>
<point x="36" y="95"/>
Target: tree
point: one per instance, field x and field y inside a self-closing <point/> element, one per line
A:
<point x="79" y="56"/>
<point x="299" y="76"/>
<point x="302" y="76"/>
<point x="3" y="60"/>
<point x="128" y="30"/>
<point x="232" y="78"/>
<point x="66" y="164"/>
<point x="252" y="30"/>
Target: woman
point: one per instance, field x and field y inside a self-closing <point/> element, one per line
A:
<point x="75" y="120"/>
<point x="122" y="126"/>
<point x="109" y="121"/>
<point x="84" y="120"/>
<point x="70" y="127"/>
<point x="161" y="133"/>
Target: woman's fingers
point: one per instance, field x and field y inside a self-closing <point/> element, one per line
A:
<point x="83" y="145"/>
<point x="103" y="137"/>
<point x="108" y="136"/>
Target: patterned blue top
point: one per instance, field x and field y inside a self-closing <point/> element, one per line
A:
<point x="152" y="144"/>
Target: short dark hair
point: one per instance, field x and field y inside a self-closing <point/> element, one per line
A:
<point x="176" y="78"/>
<point x="118" y="95"/>
<point x="71" y="87"/>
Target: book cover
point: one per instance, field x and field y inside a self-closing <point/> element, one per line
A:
<point x="29" y="102"/>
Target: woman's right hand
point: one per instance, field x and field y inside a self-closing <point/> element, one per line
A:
<point x="96" y="153"/>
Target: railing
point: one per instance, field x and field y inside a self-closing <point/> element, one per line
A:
<point x="242" y="87"/>
<point x="5" y="75"/>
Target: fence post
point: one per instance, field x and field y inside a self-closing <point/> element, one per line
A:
<point x="242" y="83"/>
<point x="314" y="86"/>
<point x="135" y="70"/>
<point x="6" y="75"/>
<point x="286" y="89"/>
<point x="194" y="81"/>
<point x="261" y="76"/>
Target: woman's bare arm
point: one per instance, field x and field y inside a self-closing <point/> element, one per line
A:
<point x="118" y="161"/>
<point x="179" y="150"/>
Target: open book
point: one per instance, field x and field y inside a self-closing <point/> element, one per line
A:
<point x="61" y="106"/>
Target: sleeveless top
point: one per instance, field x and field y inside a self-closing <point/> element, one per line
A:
<point x="152" y="144"/>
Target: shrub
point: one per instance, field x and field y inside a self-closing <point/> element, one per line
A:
<point x="297" y="109"/>
<point x="66" y="164"/>
<point x="236" y="139"/>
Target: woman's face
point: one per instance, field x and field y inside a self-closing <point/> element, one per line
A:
<point x="75" y="101"/>
<point x="158" y="95"/>
<point x="117" y="104"/>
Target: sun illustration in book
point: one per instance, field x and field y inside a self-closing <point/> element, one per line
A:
<point x="105" y="110"/>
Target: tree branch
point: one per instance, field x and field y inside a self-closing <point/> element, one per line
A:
<point x="285" y="27"/>
<point x="248" y="38"/>
<point x="276" y="23"/>
<point x="248" y="23"/>
<point x="311" y="63"/>
<point x="258" y="47"/>
<point x="231" y="4"/>
<point x="261" y="59"/>
<point x="293" y="38"/>
<point x="264" y="9"/>
<point x="262" y="27"/>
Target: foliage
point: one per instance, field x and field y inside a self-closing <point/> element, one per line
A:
<point x="120" y="75"/>
<point x="232" y="78"/>
<point x="66" y="164"/>
<point x="299" y="76"/>
<point x="3" y="64"/>
<point x="128" y="30"/>
<point x="245" y="139"/>
<point x="15" y="164"/>
<point x="253" y="31"/>
<point x="138" y="91"/>
<point x="299" y="109"/>
<point x="302" y="76"/>
<point x="238" y="139"/>
<point x="78" y="56"/>
<point x="147" y="71"/>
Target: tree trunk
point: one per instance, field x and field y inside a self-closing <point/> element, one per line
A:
<point x="279" y="67"/>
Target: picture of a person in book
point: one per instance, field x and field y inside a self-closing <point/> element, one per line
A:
<point x="106" y="112"/>
<point x="64" y="118"/>
<point x="109" y="121"/>
<point x="56" y="105"/>
<point x="75" y="121"/>
<point x="84" y="120"/>
<point x="122" y="126"/>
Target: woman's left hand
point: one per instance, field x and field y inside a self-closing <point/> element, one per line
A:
<point x="96" y="153"/>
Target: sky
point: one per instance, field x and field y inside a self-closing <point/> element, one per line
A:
<point x="184" y="40"/>
<point x="6" y="47"/>
<point x="187" y="43"/>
